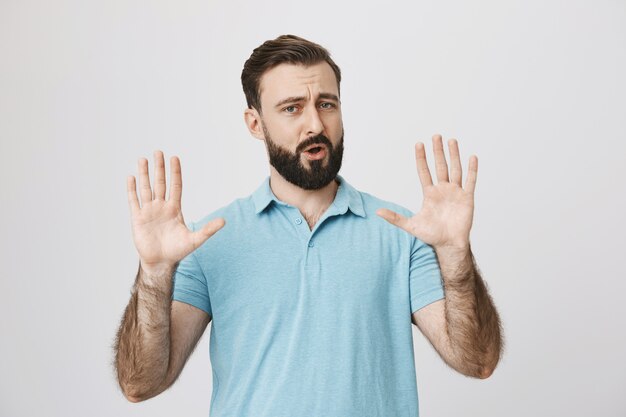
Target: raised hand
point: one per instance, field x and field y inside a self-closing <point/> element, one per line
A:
<point x="159" y="231"/>
<point x="447" y="211"/>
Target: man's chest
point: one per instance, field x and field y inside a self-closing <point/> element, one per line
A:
<point x="331" y="275"/>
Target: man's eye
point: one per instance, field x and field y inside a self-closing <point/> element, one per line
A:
<point x="290" y="109"/>
<point x="327" y="105"/>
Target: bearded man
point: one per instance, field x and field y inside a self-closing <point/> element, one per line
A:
<point x="311" y="285"/>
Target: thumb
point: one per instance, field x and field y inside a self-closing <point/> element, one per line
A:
<point x="208" y="230"/>
<point x="392" y="217"/>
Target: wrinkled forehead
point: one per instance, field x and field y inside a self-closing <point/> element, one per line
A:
<point x="291" y="80"/>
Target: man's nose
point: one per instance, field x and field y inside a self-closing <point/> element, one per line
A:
<point x="314" y="125"/>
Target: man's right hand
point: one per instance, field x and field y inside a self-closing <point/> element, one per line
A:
<point x="159" y="231"/>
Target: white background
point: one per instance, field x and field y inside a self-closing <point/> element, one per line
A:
<point x="535" y="89"/>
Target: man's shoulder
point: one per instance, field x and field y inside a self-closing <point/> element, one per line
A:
<point x="243" y="208"/>
<point x="371" y="203"/>
<point x="236" y="210"/>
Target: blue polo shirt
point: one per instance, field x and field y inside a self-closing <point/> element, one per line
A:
<point x="310" y="322"/>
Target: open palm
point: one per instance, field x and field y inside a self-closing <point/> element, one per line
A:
<point x="159" y="230"/>
<point x="447" y="211"/>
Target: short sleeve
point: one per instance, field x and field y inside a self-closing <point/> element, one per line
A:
<point x="425" y="285"/>
<point x="190" y="284"/>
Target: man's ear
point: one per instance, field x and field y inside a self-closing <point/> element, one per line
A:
<point x="253" y="122"/>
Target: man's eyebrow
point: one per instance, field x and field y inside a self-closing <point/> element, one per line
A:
<point x="295" y="99"/>
<point x="329" y="96"/>
<point x="290" y="100"/>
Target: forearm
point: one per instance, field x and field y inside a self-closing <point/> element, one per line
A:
<point x="473" y="324"/>
<point x="143" y="339"/>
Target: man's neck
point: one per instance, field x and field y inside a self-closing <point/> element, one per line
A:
<point x="311" y="203"/>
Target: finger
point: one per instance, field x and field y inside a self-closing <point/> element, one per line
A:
<point x="207" y="231"/>
<point x="422" y="165"/>
<point x="144" y="182"/>
<point x="159" y="176"/>
<point x="441" y="167"/>
<point x="131" y="189"/>
<point x="393" y="218"/>
<point x="456" y="172"/>
<point x="472" y="173"/>
<point x="176" y="180"/>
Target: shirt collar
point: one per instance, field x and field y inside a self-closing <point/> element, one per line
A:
<point x="347" y="197"/>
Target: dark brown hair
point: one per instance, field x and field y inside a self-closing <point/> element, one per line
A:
<point x="288" y="49"/>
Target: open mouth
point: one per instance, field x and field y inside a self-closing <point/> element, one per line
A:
<point x="315" y="148"/>
<point x="315" y="152"/>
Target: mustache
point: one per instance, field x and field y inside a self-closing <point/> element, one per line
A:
<point x="314" y="140"/>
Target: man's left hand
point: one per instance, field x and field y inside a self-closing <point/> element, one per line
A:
<point x="445" y="220"/>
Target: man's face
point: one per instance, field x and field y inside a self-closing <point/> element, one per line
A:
<point x="301" y="123"/>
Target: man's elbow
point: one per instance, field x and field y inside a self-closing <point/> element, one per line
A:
<point x="136" y="392"/>
<point x="476" y="370"/>
<point x="134" y="395"/>
<point x="486" y="372"/>
<point x="133" y="399"/>
<point x="488" y="367"/>
<point x="488" y="363"/>
<point x="478" y="373"/>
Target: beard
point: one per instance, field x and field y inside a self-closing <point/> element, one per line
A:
<point x="289" y="164"/>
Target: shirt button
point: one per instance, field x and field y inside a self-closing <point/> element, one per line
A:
<point x="298" y="220"/>
<point x="311" y="244"/>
